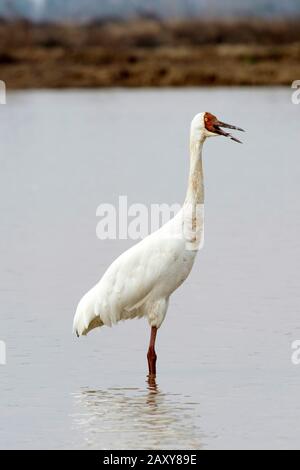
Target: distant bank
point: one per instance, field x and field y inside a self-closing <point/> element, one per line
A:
<point x="150" y="53"/>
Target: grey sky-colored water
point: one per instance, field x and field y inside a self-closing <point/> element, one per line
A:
<point x="225" y="376"/>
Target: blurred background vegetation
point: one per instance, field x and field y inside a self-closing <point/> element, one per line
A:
<point x="50" y="44"/>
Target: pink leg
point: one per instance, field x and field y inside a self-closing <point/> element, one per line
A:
<point x="151" y="356"/>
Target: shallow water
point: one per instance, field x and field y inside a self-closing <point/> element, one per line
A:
<point x="225" y="376"/>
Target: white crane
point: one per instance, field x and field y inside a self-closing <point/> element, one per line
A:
<point x="140" y="281"/>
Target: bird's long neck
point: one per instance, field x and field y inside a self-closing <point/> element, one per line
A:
<point x="193" y="208"/>
<point x="195" y="191"/>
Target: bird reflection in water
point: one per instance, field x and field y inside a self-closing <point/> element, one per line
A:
<point x="132" y="418"/>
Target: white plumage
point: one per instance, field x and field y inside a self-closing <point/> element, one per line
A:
<point x="140" y="281"/>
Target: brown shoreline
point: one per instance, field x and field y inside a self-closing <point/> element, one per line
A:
<point x="150" y="53"/>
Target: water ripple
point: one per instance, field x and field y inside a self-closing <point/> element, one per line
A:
<point x="124" y="418"/>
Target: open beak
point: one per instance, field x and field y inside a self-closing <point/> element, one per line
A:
<point x="218" y="130"/>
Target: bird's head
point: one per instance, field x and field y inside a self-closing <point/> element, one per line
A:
<point x="208" y="125"/>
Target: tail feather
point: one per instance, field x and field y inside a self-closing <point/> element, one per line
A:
<point x="85" y="318"/>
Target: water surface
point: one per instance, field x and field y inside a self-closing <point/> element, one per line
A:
<point x="225" y="377"/>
